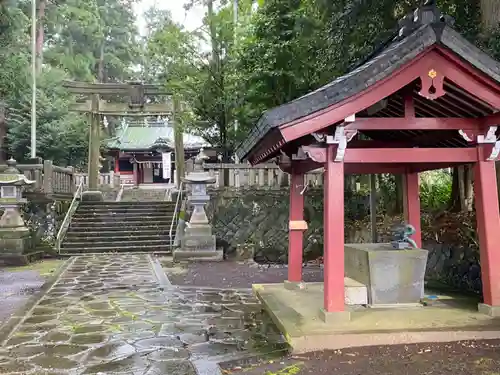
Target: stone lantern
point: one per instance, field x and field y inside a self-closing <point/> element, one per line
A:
<point x="13" y="230"/>
<point x="198" y="242"/>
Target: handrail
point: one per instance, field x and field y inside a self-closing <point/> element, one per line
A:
<point x="177" y="202"/>
<point x="67" y="217"/>
<point x="120" y="193"/>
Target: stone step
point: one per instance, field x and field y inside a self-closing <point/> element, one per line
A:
<point x="122" y="218"/>
<point x="129" y="225"/>
<point x="131" y="195"/>
<point x="160" y="243"/>
<point x="127" y="204"/>
<point x="159" y="231"/>
<point x="132" y="211"/>
<point x="117" y="236"/>
<point x="114" y="249"/>
<point x="121" y="210"/>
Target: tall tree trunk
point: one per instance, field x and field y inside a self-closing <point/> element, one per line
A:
<point x="454" y="204"/>
<point x="490" y="14"/>
<point x="41" y="34"/>
<point x="465" y="190"/>
<point x="219" y="82"/>
<point x="100" y="63"/>
<point x="3" y="131"/>
<point x="398" y="204"/>
<point x="469" y="189"/>
<point x="180" y="163"/>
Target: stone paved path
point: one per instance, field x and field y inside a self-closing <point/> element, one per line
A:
<point x="108" y="314"/>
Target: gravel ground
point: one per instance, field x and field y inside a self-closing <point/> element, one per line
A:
<point x="231" y="274"/>
<point x="458" y="358"/>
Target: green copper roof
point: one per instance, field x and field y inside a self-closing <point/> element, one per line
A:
<point x="143" y="136"/>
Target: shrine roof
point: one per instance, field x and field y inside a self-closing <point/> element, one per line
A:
<point x="416" y="34"/>
<point x="135" y="136"/>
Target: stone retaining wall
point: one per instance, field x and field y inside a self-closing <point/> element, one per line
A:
<point x="44" y="218"/>
<point x="260" y="218"/>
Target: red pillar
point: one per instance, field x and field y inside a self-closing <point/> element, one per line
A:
<point x="411" y="204"/>
<point x="488" y="227"/>
<point x="296" y="227"/>
<point x="333" y="223"/>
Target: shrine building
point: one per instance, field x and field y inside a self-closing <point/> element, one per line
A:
<point x="429" y="99"/>
<point x="143" y="151"/>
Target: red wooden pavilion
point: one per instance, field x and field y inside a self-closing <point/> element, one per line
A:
<point x="426" y="100"/>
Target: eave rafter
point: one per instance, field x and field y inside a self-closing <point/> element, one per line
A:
<point x="432" y="67"/>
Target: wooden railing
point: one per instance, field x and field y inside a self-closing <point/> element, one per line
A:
<point x="239" y="175"/>
<point x="49" y="179"/>
<point x="105" y="179"/>
<point x="263" y="175"/>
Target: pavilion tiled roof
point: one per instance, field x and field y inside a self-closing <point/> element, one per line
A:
<point x="416" y="35"/>
<point x="142" y="136"/>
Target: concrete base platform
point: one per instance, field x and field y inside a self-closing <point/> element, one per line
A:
<point x="20" y="259"/>
<point x="297" y="313"/>
<point x="198" y="256"/>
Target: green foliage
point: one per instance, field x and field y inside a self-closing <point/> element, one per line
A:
<point x="435" y="190"/>
<point x="83" y="40"/>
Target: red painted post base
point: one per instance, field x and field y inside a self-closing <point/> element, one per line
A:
<point x="493" y="311"/>
<point x="334" y="317"/>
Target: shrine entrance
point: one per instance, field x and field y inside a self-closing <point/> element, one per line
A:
<point x="430" y="100"/>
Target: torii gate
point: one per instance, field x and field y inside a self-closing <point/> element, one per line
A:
<point x="136" y="107"/>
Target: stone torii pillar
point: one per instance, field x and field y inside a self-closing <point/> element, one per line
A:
<point x="137" y="106"/>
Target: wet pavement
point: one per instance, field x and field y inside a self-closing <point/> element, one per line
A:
<point x="108" y="314"/>
<point x="15" y="289"/>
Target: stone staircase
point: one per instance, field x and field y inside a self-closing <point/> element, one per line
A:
<point x="100" y="227"/>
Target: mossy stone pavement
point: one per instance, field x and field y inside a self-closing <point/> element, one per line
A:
<point x="109" y="314"/>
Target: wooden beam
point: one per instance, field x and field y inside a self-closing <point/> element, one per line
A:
<point x="491" y="120"/>
<point x="411" y="155"/>
<point x="123" y="109"/>
<point x="89" y="88"/>
<point x="462" y="75"/>
<point x="413" y="123"/>
<point x="306" y="166"/>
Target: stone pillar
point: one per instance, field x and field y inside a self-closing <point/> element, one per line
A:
<point x="296" y="228"/>
<point x="334" y="295"/>
<point x="411" y="204"/>
<point x="93" y="193"/>
<point x="488" y="227"/>
<point x="135" y="167"/>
